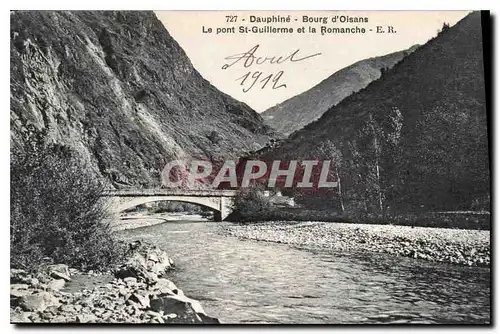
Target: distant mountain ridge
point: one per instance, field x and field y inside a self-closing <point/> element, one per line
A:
<point x="300" y="110"/>
<point x="415" y="139"/>
<point x="119" y="90"/>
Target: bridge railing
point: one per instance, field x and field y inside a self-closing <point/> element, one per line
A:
<point x="170" y="192"/>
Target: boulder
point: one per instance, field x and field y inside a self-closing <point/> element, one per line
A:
<point x="165" y="286"/>
<point x="208" y="320"/>
<point x="43" y="278"/>
<point x="56" y="284"/>
<point x="183" y="310"/>
<point x="59" y="271"/>
<point x="168" y="305"/>
<point x="159" y="262"/>
<point x="35" y="282"/>
<point x="150" y="277"/>
<point x="146" y="263"/>
<point x="68" y="308"/>
<point x="153" y="256"/>
<point x="85" y="318"/>
<point x="19" y="287"/>
<point x="130" y="281"/>
<point x="20" y="317"/>
<point x="60" y="319"/>
<point x="134" y="267"/>
<point x="20" y="293"/>
<point x="159" y="269"/>
<point x="38" y="302"/>
<point x="122" y="291"/>
<point x="170" y="316"/>
<point x="19" y="290"/>
<point x="19" y="276"/>
<point x="195" y="305"/>
<point x="142" y="301"/>
<point x="153" y="314"/>
<point x="187" y="310"/>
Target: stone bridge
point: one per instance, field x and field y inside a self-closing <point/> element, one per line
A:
<point x="219" y="200"/>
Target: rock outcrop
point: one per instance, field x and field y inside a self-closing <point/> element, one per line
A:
<point x="139" y="293"/>
<point x="119" y="90"/>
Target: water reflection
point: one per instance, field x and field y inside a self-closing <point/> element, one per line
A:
<point x="258" y="282"/>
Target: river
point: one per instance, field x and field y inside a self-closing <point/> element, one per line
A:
<point x="259" y="282"/>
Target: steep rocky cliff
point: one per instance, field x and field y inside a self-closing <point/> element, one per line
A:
<point x="295" y="113"/>
<point x="417" y="138"/>
<point x="116" y="87"/>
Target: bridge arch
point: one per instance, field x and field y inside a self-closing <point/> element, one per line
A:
<point x="202" y="201"/>
<point x="221" y="201"/>
<point x="220" y="206"/>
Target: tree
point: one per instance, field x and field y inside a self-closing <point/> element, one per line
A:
<point x="57" y="209"/>
<point x="356" y="171"/>
<point x="328" y="150"/>
<point x="391" y="156"/>
<point x="370" y="136"/>
<point x="251" y="203"/>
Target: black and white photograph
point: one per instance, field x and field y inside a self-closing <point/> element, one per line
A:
<point x="243" y="167"/>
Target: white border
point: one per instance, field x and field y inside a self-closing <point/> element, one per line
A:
<point x="193" y="5"/>
<point x="256" y="5"/>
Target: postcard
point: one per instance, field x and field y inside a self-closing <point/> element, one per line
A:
<point x="250" y="167"/>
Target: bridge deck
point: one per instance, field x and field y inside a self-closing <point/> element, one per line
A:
<point x="170" y="192"/>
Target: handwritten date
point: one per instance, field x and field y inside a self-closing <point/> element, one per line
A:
<point x="252" y="58"/>
<point x="257" y="77"/>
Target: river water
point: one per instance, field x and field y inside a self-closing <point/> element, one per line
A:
<point x="258" y="282"/>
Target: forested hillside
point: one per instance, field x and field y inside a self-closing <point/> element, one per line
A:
<point x="416" y="139"/>
<point x="300" y="110"/>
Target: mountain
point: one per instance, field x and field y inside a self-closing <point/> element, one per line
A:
<point x="298" y="111"/>
<point x="118" y="89"/>
<point x="415" y="139"/>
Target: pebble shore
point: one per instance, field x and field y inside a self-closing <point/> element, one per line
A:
<point x="456" y="246"/>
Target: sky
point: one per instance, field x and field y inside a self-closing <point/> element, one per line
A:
<point x="323" y="54"/>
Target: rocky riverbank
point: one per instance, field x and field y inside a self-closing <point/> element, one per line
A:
<point x="138" y="292"/>
<point x="465" y="247"/>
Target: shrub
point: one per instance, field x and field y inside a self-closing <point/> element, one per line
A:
<point x="56" y="210"/>
<point x="174" y="206"/>
<point x="251" y="204"/>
